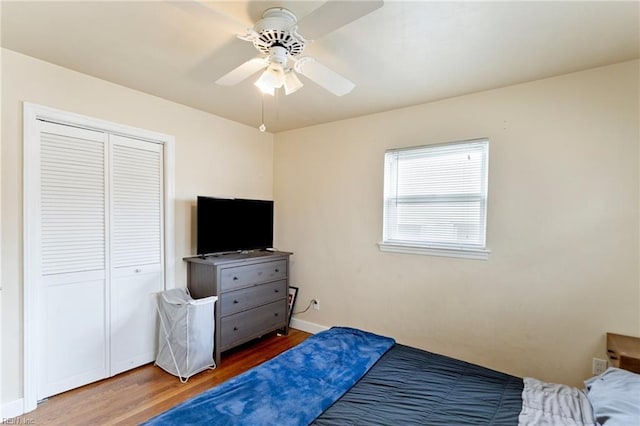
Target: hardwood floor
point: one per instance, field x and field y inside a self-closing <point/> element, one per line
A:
<point x="139" y="394"/>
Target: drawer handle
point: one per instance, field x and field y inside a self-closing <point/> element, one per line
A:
<point x="276" y="314"/>
<point x="277" y="270"/>
<point x="235" y="278"/>
<point x="235" y="328"/>
<point x="235" y="301"/>
<point x="277" y="291"/>
<point x="137" y="270"/>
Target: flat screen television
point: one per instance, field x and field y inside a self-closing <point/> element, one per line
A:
<point x="233" y="224"/>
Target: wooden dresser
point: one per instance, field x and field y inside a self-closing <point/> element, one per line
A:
<point x="252" y="290"/>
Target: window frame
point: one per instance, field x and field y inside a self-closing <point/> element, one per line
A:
<point x="469" y="251"/>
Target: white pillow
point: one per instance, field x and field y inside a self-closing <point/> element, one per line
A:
<point x="615" y="397"/>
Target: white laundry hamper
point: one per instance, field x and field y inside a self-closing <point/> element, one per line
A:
<point x="186" y="336"/>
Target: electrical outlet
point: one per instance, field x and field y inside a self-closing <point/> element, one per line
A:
<point x="599" y="366"/>
<point x="316" y="304"/>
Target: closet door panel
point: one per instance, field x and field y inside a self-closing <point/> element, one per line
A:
<point x="74" y="338"/>
<point x="72" y="324"/>
<point x="137" y="250"/>
<point x="72" y="199"/>
<point x="136" y="202"/>
<point x="134" y="325"/>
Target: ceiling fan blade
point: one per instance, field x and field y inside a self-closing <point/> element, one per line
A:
<point x="242" y="72"/>
<point x="323" y="76"/>
<point x="333" y="15"/>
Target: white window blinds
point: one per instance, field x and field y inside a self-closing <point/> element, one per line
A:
<point x="436" y="196"/>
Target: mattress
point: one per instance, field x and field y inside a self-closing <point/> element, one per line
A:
<point x="410" y="386"/>
<point x="345" y="376"/>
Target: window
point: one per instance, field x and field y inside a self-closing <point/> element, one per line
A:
<point x="435" y="199"/>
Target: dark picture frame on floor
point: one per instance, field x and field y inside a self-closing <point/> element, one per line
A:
<point x="291" y="301"/>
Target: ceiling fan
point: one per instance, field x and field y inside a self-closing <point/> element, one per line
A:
<point x="280" y="45"/>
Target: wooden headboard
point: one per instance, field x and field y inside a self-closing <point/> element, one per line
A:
<point x="624" y="352"/>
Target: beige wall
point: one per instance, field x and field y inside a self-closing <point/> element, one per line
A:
<point x="213" y="156"/>
<point x="563" y="214"/>
<point x="563" y="222"/>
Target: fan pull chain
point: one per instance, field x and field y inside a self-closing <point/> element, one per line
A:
<point x="262" y="127"/>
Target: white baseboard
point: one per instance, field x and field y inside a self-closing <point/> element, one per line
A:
<point x="309" y="327"/>
<point x="12" y="409"/>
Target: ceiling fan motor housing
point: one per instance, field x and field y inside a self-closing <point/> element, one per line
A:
<point x="278" y="28"/>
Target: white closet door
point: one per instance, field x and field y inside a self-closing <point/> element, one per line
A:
<point x="72" y="326"/>
<point x="137" y="250"/>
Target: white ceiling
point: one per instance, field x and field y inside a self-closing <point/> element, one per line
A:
<point x="402" y="54"/>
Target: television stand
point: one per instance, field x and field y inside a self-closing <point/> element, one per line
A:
<point x="252" y="292"/>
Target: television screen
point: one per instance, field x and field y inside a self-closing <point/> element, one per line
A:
<point x="233" y="224"/>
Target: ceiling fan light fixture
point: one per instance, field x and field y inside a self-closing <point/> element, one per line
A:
<point x="267" y="90"/>
<point x="291" y="82"/>
<point x="271" y="79"/>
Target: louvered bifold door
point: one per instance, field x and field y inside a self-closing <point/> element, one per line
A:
<point x="72" y="324"/>
<point x="136" y="250"/>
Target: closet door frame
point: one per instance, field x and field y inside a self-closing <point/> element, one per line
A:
<point x="31" y="176"/>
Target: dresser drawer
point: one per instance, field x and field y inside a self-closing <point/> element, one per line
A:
<point x="242" y="276"/>
<point x="232" y="302"/>
<point x="244" y="326"/>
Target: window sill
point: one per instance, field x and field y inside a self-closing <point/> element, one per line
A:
<point x="465" y="253"/>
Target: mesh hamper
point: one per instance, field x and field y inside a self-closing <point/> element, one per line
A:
<point x="186" y="336"/>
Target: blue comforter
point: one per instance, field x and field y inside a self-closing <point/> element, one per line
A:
<point x="291" y="389"/>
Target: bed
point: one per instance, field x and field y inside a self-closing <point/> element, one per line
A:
<point x="345" y="376"/>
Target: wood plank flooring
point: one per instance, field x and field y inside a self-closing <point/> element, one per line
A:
<point x="139" y="394"/>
